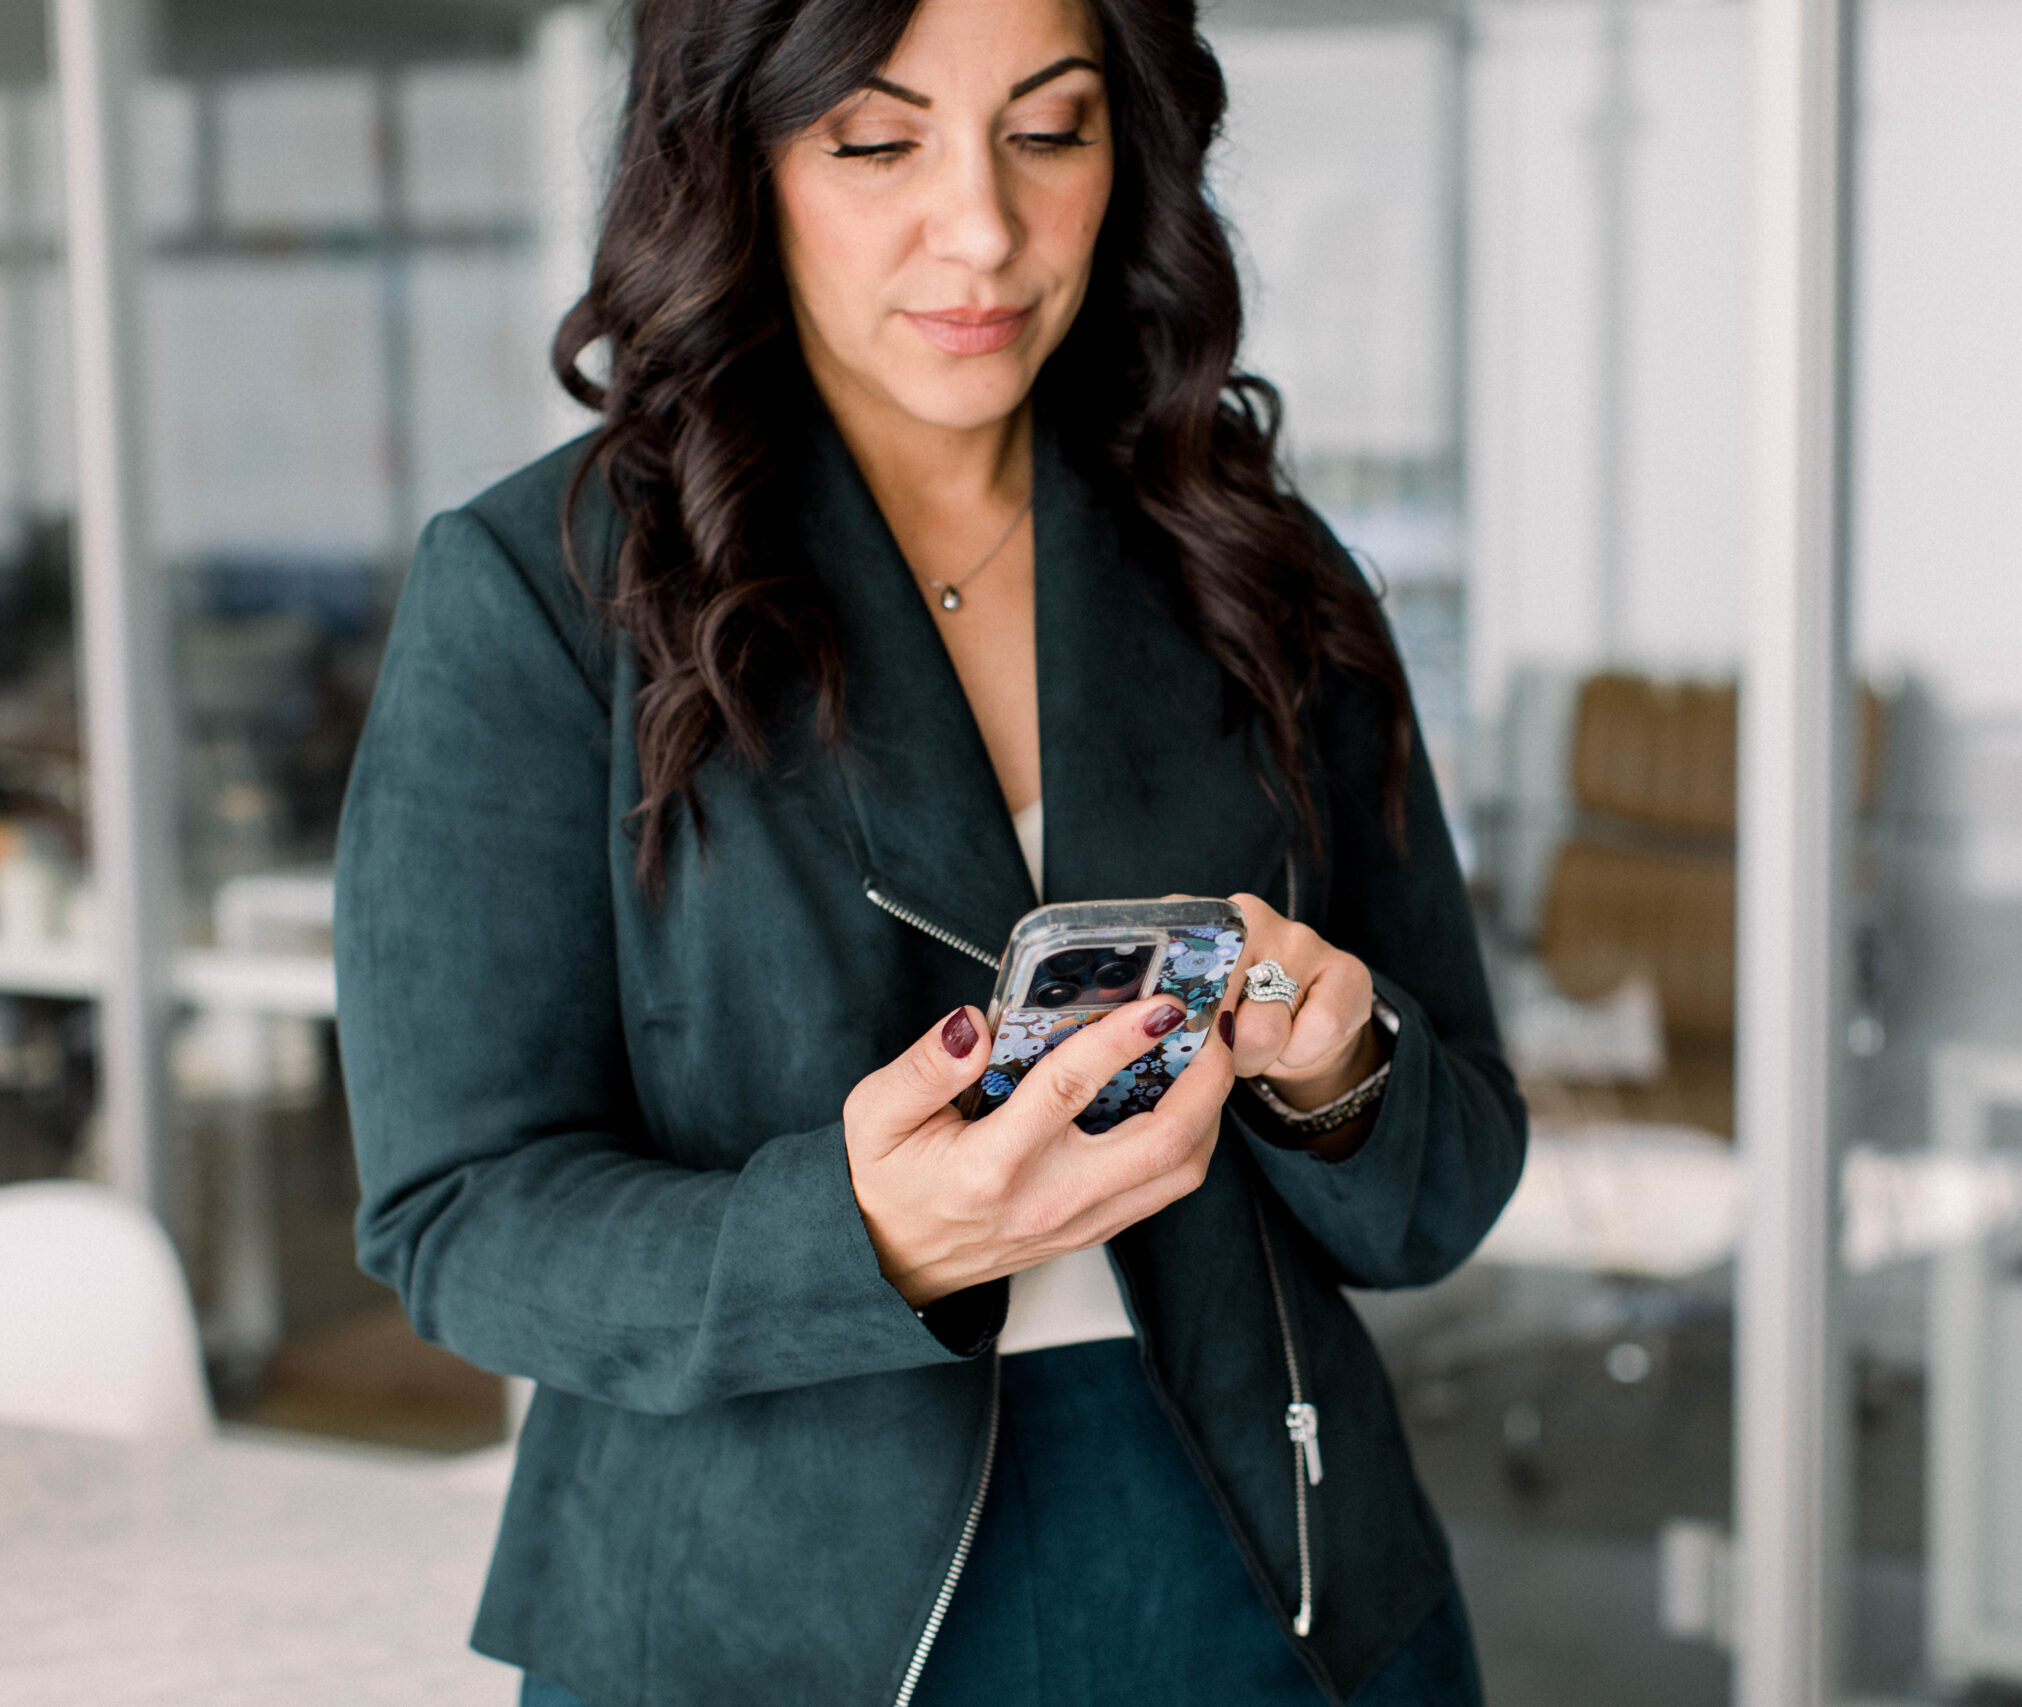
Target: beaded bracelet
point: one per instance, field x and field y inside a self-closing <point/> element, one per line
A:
<point x="1351" y="1104"/>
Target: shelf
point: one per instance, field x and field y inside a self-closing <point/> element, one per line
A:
<point x="60" y="971"/>
<point x="301" y="985"/>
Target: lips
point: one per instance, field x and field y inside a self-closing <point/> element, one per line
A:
<point x="971" y="331"/>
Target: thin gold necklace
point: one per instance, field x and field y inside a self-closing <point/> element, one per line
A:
<point x="951" y="591"/>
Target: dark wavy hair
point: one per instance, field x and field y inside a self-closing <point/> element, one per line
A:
<point x="725" y="618"/>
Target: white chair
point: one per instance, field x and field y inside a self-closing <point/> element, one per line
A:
<point x="97" y="1335"/>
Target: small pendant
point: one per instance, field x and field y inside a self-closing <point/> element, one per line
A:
<point x="950" y="599"/>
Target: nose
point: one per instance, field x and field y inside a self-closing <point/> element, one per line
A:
<point x="973" y="219"/>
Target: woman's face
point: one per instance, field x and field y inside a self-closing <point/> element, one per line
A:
<point x="937" y="228"/>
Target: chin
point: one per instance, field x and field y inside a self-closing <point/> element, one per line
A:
<point x="961" y="401"/>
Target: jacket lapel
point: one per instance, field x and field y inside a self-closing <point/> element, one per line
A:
<point x="1145" y="793"/>
<point x="935" y="834"/>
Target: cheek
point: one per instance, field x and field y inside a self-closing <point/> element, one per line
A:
<point x="1070" y="219"/>
<point x="838" y="249"/>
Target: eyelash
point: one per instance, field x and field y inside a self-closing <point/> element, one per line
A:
<point x="1051" y="142"/>
<point x="1037" y="143"/>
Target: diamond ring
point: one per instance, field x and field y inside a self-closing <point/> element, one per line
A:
<point x="1267" y="981"/>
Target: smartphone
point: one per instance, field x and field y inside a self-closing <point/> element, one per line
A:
<point x="1068" y="965"/>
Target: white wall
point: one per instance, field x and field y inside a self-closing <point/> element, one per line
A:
<point x="1939" y="344"/>
<point x="1336" y="171"/>
<point x="1538" y="97"/>
<point x="1939" y="514"/>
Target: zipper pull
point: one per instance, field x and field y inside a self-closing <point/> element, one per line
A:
<point x="1302" y="1423"/>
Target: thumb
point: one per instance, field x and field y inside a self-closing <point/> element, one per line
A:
<point x="888" y="1106"/>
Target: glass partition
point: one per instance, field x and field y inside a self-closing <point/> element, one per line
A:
<point x="1498" y="268"/>
<point x="1930" y="1092"/>
<point x="46" y="905"/>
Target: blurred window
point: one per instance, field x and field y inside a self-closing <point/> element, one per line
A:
<point x="464" y="145"/>
<point x="301" y="151"/>
<point x="1930" y="1081"/>
<point x="165" y="159"/>
<point x="269" y="403"/>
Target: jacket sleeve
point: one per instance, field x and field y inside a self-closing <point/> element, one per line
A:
<point x="1444" y="1154"/>
<point x="509" y="1194"/>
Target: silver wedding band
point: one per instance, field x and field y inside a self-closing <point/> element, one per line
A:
<point x="1267" y="981"/>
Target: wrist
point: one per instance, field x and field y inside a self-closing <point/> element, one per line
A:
<point x="1334" y="1126"/>
<point x="915" y="1283"/>
<point x="1363" y="1055"/>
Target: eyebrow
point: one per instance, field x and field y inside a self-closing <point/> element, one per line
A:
<point x="1059" y="68"/>
<point x="912" y="97"/>
<point x="1025" y="86"/>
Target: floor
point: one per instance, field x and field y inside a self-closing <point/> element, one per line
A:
<point x="247" y="1570"/>
<point x="1555" y="1476"/>
<point x="1569" y="1621"/>
<point x="1521" y="1587"/>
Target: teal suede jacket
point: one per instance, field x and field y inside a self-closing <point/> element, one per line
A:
<point x="600" y="1138"/>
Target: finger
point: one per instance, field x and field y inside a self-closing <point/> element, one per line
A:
<point x="1065" y="1080"/>
<point x="1103" y="1220"/>
<point x="1335" y="1007"/>
<point x="1196" y="1096"/>
<point x="1263" y="933"/>
<point x="1148" y="1146"/>
<point x="1263" y="1029"/>
<point x="1163" y="1189"/>
<point x="903" y="1094"/>
<point x="1269" y="935"/>
<point x="1258" y="914"/>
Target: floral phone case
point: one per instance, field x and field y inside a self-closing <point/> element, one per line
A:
<point x="1068" y="965"/>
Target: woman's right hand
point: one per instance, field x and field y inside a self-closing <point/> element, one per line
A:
<point x="951" y="1203"/>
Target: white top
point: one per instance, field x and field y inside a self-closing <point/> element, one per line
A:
<point x="1072" y="1298"/>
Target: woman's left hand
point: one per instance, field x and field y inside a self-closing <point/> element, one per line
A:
<point x="1322" y="1046"/>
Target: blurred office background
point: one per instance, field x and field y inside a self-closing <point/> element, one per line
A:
<point x="1499" y="261"/>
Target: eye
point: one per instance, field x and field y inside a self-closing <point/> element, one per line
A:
<point x="887" y="153"/>
<point x="1045" y="142"/>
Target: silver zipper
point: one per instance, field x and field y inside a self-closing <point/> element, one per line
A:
<point x="906" y="915"/>
<point x="1291" y="886"/>
<point x="967" y="1539"/>
<point x="1302" y="1426"/>
<point x="925" y="1646"/>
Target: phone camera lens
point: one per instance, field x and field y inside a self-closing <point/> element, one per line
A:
<point x="1118" y="972"/>
<point x="1054" y="992"/>
<point x="1071" y="965"/>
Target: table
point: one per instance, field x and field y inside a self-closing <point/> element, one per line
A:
<point x="244" y="1571"/>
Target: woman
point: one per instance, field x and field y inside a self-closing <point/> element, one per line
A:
<point x="677" y="861"/>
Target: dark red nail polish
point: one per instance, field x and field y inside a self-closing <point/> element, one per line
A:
<point x="1226" y="1025"/>
<point x="1165" y="1020"/>
<point x="958" y="1034"/>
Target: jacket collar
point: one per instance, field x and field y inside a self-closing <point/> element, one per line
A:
<point x="1145" y="793"/>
